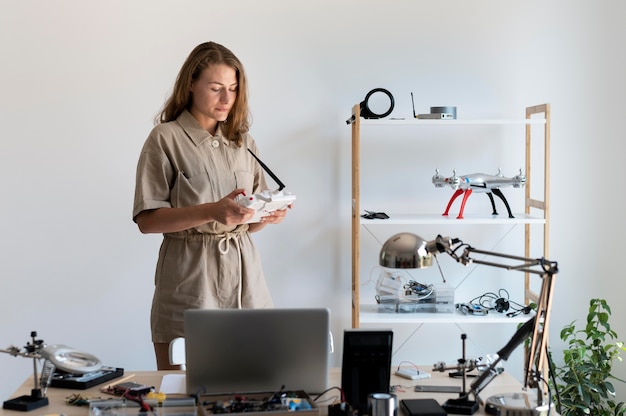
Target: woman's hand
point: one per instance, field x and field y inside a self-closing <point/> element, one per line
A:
<point x="170" y="220"/>
<point x="274" y="217"/>
<point x="229" y="212"/>
<point x="277" y="216"/>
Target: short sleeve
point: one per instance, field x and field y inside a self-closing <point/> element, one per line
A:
<point x="153" y="179"/>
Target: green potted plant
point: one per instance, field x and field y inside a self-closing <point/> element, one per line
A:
<point x="584" y="380"/>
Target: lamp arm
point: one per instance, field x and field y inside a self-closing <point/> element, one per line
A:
<point x="540" y="266"/>
<point x="536" y="328"/>
<point x="406" y="250"/>
<point x="15" y="351"/>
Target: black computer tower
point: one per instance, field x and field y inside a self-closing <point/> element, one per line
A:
<point x="366" y="365"/>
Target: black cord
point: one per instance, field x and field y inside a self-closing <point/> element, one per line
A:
<point x="549" y="392"/>
<point x="329" y="389"/>
<point x="552" y="374"/>
<point x="502" y="302"/>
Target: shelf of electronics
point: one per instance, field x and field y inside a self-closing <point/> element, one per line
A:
<point x="436" y="219"/>
<point x="370" y="314"/>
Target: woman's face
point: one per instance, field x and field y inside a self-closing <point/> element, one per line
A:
<point x="214" y="94"/>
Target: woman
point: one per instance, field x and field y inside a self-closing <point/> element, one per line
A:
<point x="192" y="167"/>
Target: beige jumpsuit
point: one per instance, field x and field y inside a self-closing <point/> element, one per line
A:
<point x="212" y="265"/>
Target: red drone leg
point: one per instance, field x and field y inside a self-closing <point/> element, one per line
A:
<point x="456" y="194"/>
<point x="466" y="195"/>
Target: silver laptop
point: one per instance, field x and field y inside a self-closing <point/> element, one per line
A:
<point x="257" y="350"/>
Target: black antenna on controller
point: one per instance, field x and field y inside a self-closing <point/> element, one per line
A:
<point x="281" y="185"/>
<point x="413" y="105"/>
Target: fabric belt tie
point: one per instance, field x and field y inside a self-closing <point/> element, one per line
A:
<point x="223" y="246"/>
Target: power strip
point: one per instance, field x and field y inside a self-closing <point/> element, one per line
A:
<point x="412" y="374"/>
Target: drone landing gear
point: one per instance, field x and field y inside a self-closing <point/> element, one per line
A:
<point x="500" y="195"/>
<point x="466" y="194"/>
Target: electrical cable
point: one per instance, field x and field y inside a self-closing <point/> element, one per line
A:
<point x="409" y="362"/>
<point x="500" y="302"/>
<point x="341" y="392"/>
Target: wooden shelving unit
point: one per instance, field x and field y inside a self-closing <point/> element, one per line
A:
<point x="536" y="209"/>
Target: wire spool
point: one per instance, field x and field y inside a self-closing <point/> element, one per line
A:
<point x="366" y="108"/>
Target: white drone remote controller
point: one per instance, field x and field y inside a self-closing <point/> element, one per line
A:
<point x="266" y="202"/>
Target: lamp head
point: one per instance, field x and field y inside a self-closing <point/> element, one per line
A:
<point x="405" y="251"/>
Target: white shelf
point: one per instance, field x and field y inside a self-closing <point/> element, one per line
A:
<point x="539" y="116"/>
<point x="438" y="219"/>
<point x="370" y="315"/>
<point x="455" y="122"/>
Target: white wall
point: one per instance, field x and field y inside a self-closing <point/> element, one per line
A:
<point x="81" y="82"/>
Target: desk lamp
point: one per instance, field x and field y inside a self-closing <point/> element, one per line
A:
<point x="409" y="251"/>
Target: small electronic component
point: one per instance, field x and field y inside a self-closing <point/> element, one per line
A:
<point x="128" y="387"/>
<point x="438" y="389"/>
<point x="412" y="373"/>
<point x="281" y="401"/>
<point x="370" y="215"/>
<point x="472" y="309"/>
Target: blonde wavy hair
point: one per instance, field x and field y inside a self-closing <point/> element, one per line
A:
<point x="203" y="56"/>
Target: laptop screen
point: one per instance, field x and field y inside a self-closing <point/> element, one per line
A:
<point x="256" y="350"/>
